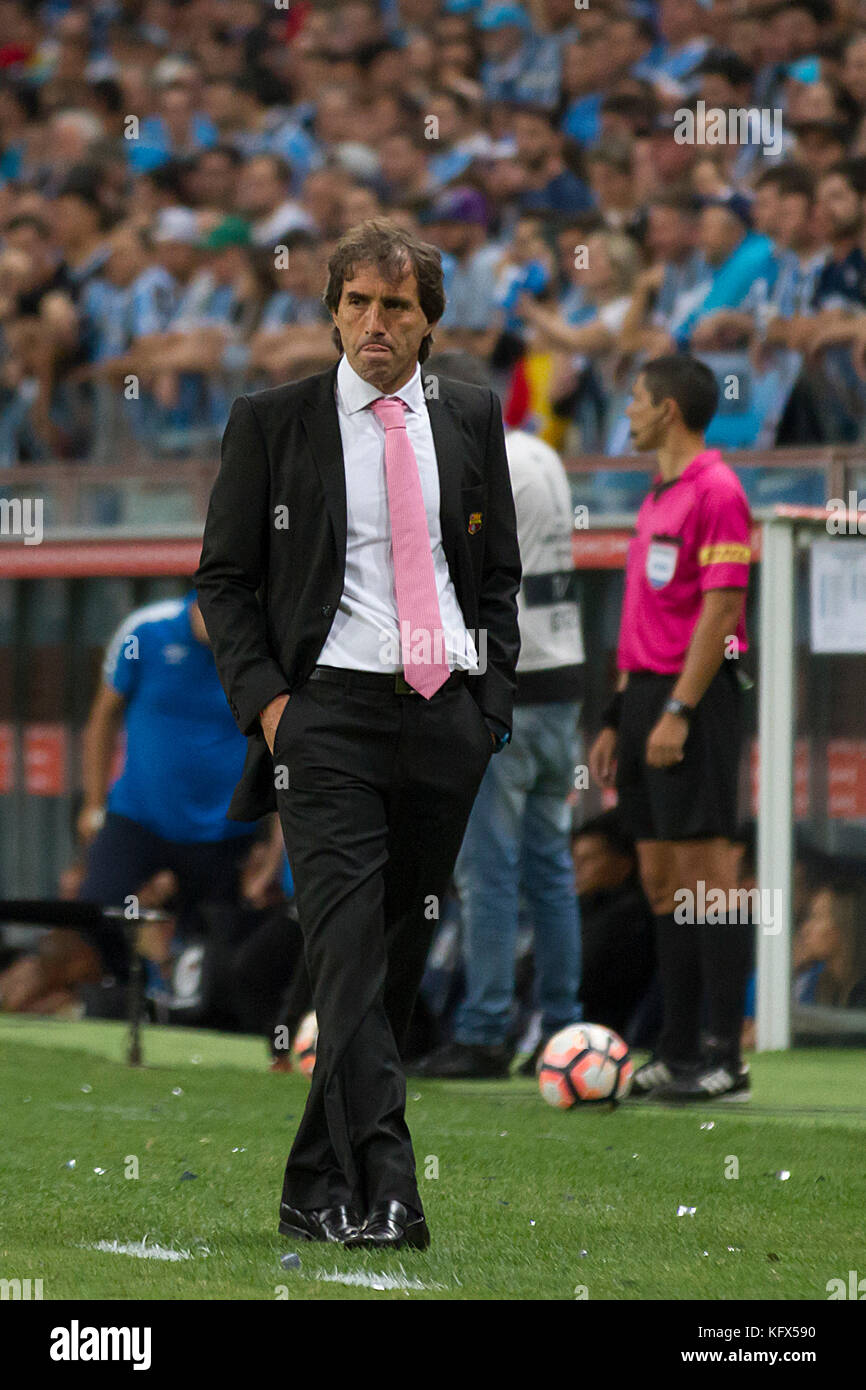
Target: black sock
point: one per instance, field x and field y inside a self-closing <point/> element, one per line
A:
<point x="679" y="958"/>
<point x="727" y="951"/>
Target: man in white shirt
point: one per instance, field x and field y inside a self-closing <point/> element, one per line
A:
<point x="358" y="581"/>
<point x="518" y="840"/>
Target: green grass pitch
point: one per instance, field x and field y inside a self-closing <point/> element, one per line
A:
<point x="523" y="1202"/>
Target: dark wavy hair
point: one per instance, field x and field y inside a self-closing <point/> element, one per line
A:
<point x="687" y="381"/>
<point x="393" y="251"/>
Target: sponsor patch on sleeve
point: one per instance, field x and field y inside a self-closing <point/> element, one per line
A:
<point x="724" y="555"/>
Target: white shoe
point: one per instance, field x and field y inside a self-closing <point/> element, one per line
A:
<point x="714" y="1083"/>
<point x="651" y="1075"/>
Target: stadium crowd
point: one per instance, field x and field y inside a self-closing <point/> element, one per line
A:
<point x="605" y="181"/>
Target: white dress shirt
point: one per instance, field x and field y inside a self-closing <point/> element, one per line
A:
<point x="365" y="634"/>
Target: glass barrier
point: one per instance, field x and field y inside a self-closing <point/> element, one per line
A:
<point x="829" y="936"/>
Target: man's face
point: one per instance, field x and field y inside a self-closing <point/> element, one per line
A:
<point x="766" y="209"/>
<point x="219" y="103"/>
<point x="227" y="264"/>
<point x="457" y="238"/>
<point x="178" y="257"/>
<point x="526" y="243"/>
<point x="297" y="276"/>
<point x="500" y="44"/>
<point x="398" y="158"/>
<point x="794" y="225"/>
<point x="73" y="218"/>
<point x="28" y="240"/>
<point x="382" y="326"/>
<point x="612" y="187"/>
<point x="678" y="20"/>
<point x="670" y="159"/>
<point x="597" y="866"/>
<point x="323" y="196"/>
<point x="259" y="188"/>
<point x="649" y="422"/>
<point x="719" y="234"/>
<point x="584" y="63"/>
<point x="818" y="150"/>
<point x="854" y="70"/>
<point x="838" y="207"/>
<point x="215" y="178"/>
<point x="819" y="933"/>
<point x="670" y="233"/>
<point x="717" y="91"/>
<point x="177" y="108"/>
<point x="533" y="138"/>
<point x="794" y="32"/>
<point x="446" y="113"/>
<point x="625" y="43"/>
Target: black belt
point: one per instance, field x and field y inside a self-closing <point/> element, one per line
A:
<point x="392" y="682"/>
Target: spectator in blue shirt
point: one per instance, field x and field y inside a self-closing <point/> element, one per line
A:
<point x="183" y="366"/>
<point x="549" y="185"/>
<point x="178" y="130"/>
<point x="735" y="257"/>
<point x="294" y="334"/>
<point x="135" y="297"/>
<point x="593" y="66"/>
<point x="665" y="293"/>
<point x="518" y="65"/>
<point x="459" y="136"/>
<point x="684" y="43"/>
<point x="457" y="224"/>
<point x="212" y="178"/>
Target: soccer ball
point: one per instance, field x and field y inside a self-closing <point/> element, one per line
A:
<point x="583" y="1064"/>
<point x="304" y="1045"/>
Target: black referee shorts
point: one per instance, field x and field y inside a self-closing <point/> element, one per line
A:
<point x="697" y="798"/>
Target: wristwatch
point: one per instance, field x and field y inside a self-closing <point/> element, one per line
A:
<point x="673" y="706"/>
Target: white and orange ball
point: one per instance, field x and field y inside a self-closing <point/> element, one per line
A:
<point x="585" y="1064"/>
<point x="304" y="1044"/>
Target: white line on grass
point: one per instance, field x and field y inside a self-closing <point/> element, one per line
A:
<point x="377" y="1281"/>
<point x="139" y="1249"/>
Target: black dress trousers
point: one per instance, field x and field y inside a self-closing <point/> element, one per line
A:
<point x="378" y="790"/>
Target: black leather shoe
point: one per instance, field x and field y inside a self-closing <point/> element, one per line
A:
<point x="465" y="1062"/>
<point x="390" y="1226"/>
<point x="336" y="1224"/>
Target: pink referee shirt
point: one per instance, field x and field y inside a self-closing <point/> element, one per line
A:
<point x="692" y="534"/>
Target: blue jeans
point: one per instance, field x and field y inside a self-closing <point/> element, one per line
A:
<point x="518" y="839"/>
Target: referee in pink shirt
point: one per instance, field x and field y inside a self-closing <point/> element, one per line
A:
<point x="671" y="736"/>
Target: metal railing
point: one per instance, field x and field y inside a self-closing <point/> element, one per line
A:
<point x="159" y="497"/>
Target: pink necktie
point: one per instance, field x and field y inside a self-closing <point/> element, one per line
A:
<point x="414" y="577"/>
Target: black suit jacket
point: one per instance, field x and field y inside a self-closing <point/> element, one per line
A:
<point x="269" y="591"/>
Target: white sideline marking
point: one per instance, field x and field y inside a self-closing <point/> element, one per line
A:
<point x="139" y="1248"/>
<point x="376" y="1281"/>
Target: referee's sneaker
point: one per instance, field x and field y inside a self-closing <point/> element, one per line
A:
<point x="671" y="737"/>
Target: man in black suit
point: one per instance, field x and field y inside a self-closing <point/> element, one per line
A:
<point x="358" y="581"/>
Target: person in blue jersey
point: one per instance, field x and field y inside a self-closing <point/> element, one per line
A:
<point x="134" y="297"/>
<point x="548" y="184"/>
<point x="592" y="67"/>
<point x="667" y="290"/>
<point x="735" y="258"/>
<point x="167" y="809"/>
<point x="175" y="131"/>
<point x="457" y="223"/>
<point x="519" y="65"/>
<point x="683" y="42"/>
